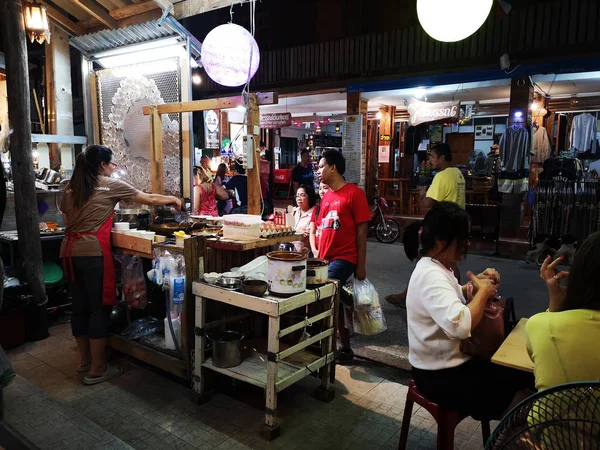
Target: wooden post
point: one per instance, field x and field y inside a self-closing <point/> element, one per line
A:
<point x="521" y="96"/>
<point x="17" y="79"/>
<point x="156" y="152"/>
<point x="253" y="128"/>
<point x="386" y="139"/>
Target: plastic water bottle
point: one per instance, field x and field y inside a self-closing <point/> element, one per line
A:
<point x="169" y="342"/>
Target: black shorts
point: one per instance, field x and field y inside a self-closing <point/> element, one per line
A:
<point x="90" y="317"/>
<point x="480" y="389"/>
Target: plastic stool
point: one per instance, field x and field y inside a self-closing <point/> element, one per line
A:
<point x="414" y="206"/>
<point x="446" y="419"/>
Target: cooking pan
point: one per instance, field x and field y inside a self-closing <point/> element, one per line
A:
<point x="167" y="229"/>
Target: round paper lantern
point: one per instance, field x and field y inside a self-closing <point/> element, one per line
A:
<point x="451" y="21"/>
<point x="230" y="55"/>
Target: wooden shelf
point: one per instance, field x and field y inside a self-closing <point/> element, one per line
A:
<point x="225" y="244"/>
<point x="254" y="369"/>
<point x="132" y="245"/>
<point x="268" y="304"/>
<point x="149" y="355"/>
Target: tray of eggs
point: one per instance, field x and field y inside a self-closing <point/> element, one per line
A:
<point x="269" y="229"/>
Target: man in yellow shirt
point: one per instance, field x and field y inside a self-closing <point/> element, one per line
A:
<point x="447" y="186"/>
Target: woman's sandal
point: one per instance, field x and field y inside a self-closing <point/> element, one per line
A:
<point x="84" y="369"/>
<point x="397" y="300"/>
<point x="111" y="372"/>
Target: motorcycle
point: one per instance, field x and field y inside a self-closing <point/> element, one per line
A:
<point x="387" y="229"/>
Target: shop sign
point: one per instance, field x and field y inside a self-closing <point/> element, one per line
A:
<point x="423" y="112"/>
<point x="211" y="129"/>
<point x="352" y="148"/>
<point x="275" y="120"/>
<point x="385" y="137"/>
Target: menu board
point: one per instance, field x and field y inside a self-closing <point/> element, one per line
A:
<point x="352" y="148"/>
<point x="320" y="140"/>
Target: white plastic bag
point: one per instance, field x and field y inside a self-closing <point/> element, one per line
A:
<point x="370" y="321"/>
<point x="363" y="294"/>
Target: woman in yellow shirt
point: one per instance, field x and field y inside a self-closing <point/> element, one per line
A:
<point x="563" y="341"/>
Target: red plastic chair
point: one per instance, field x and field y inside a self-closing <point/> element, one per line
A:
<point x="446" y="419"/>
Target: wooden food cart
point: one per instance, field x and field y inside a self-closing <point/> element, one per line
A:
<point x="273" y="365"/>
<point x="201" y="255"/>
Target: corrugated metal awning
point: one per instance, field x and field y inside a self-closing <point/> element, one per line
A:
<point x="91" y="44"/>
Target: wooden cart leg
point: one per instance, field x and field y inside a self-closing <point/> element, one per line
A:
<point x="325" y="392"/>
<point x="200" y="342"/>
<point x="271" y="429"/>
<point x="336" y="311"/>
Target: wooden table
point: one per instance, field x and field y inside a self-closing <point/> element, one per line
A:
<point x="386" y="189"/>
<point x="275" y="366"/>
<point x="513" y="351"/>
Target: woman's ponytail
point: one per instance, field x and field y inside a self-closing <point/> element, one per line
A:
<point x="410" y="239"/>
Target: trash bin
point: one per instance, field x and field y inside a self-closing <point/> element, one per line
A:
<point x="36" y="320"/>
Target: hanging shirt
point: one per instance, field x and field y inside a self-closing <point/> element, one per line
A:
<point x="583" y="133"/>
<point x="540" y="145"/>
<point x="341" y="212"/>
<point x="514" y="148"/>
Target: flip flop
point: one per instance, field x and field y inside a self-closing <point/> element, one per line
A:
<point x="396" y="300"/>
<point x="84" y="369"/>
<point x="111" y="372"/>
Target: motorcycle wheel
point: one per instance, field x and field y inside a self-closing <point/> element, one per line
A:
<point x="390" y="235"/>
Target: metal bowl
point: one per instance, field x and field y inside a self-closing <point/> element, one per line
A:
<point x="256" y="288"/>
<point x="230" y="282"/>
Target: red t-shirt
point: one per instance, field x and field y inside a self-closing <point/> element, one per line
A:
<point x="341" y="211"/>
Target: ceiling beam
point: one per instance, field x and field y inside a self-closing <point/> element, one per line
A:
<point x="125" y="13"/>
<point x="62" y="20"/>
<point x="189" y="8"/>
<point x="96" y="10"/>
<point x="71" y="8"/>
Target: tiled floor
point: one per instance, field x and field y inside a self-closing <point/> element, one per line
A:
<point x="145" y="409"/>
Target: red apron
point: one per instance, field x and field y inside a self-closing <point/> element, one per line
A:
<point x="109" y="286"/>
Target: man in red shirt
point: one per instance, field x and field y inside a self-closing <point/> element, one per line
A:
<point x="343" y="223"/>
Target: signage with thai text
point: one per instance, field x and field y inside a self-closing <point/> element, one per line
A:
<point x="211" y="129"/>
<point x="385" y="137"/>
<point x="423" y="112"/>
<point x="275" y="120"/>
<point x="352" y="143"/>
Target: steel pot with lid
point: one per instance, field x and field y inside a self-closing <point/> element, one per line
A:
<point x="137" y="218"/>
<point x="286" y="273"/>
<point x="317" y="272"/>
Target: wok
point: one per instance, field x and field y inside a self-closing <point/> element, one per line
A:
<point x="167" y="229"/>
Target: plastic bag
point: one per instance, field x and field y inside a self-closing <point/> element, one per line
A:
<point x="134" y="283"/>
<point x="142" y="327"/>
<point x="370" y="321"/>
<point x="364" y="294"/>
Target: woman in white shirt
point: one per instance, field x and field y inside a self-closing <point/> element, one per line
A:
<point x="306" y="199"/>
<point x="439" y="319"/>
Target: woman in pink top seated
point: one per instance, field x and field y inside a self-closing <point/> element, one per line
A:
<point x="206" y="194"/>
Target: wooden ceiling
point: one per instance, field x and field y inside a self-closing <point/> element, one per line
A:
<point x="80" y="17"/>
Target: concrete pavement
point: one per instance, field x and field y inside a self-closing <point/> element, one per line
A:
<point x="389" y="270"/>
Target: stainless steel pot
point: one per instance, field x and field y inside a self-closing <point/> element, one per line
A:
<point x="137" y="218"/>
<point x="52" y="177"/>
<point x="317" y="272"/>
<point x="227" y="349"/>
<point x="286" y="273"/>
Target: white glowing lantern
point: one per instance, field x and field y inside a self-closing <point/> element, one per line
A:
<point x="230" y="55"/>
<point x="452" y="21"/>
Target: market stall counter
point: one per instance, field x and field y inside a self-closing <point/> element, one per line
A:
<point x="201" y="253"/>
<point x="268" y="362"/>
